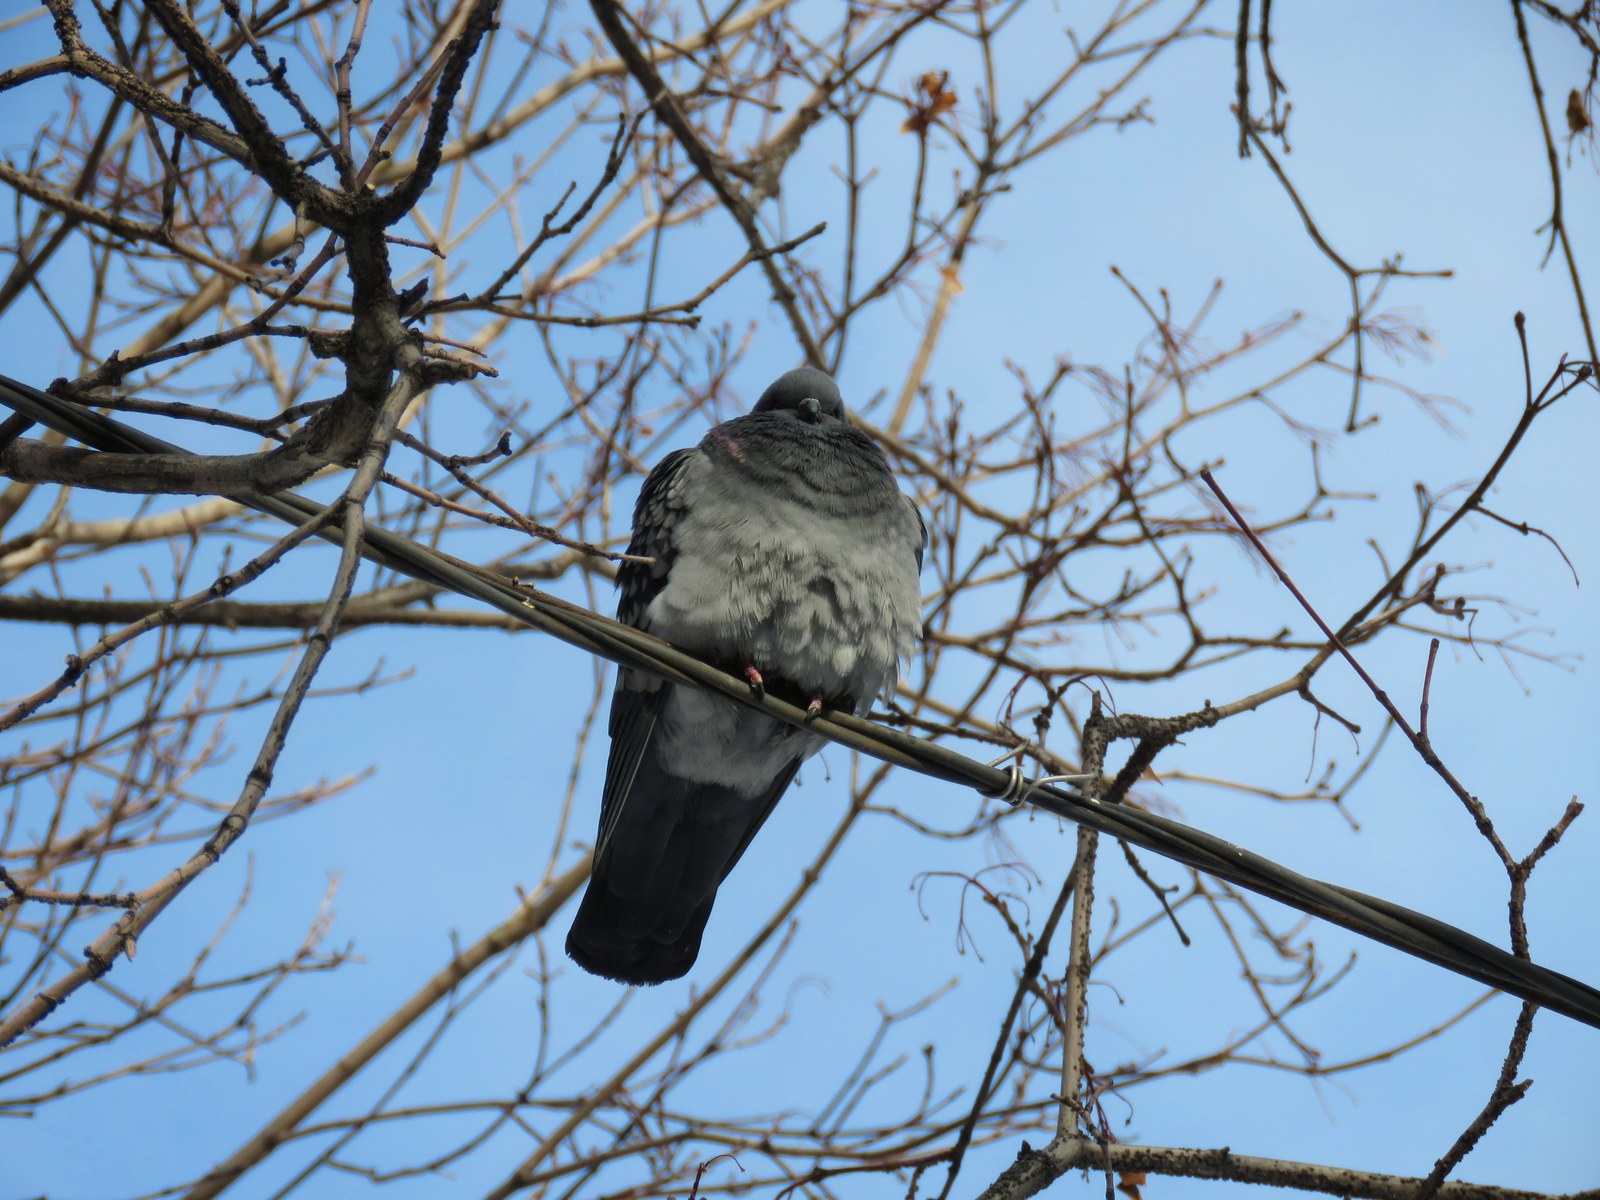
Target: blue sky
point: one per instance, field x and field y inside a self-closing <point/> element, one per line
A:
<point x="1412" y="131"/>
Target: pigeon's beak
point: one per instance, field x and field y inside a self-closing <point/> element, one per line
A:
<point x="811" y="410"/>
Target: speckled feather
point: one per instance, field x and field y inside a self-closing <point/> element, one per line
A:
<point x="780" y="542"/>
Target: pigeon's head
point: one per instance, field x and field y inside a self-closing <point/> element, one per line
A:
<point x="807" y="393"/>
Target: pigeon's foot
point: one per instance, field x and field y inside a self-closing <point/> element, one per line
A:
<point x="814" y="709"/>
<point x="758" y="685"/>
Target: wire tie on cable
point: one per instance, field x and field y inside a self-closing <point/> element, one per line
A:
<point x="1018" y="787"/>
<point x="1012" y="792"/>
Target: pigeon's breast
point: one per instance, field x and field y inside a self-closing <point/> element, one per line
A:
<point x="808" y="572"/>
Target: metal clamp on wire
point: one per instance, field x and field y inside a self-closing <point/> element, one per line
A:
<point x="1018" y="787"/>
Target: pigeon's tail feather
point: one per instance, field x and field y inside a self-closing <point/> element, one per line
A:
<point x="656" y="878"/>
<point x="602" y="941"/>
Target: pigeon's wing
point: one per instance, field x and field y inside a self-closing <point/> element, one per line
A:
<point x="634" y="711"/>
<point x="761" y="809"/>
<point x="922" y="528"/>
<point x="654" y="516"/>
<point x="636" y="701"/>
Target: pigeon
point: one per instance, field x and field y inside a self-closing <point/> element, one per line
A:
<point x="782" y="550"/>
